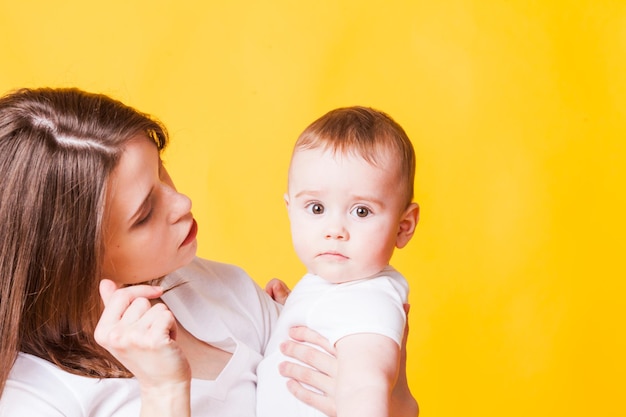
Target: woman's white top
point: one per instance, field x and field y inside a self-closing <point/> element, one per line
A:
<point x="219" y="304"/>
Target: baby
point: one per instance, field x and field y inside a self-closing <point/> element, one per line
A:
<point x="350" y="204"/>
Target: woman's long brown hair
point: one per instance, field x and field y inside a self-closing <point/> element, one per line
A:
<point x="57" y="150"/>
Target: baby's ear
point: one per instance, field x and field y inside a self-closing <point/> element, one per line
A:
<point x="286" y="198"/>
<point x="408" y="222"/>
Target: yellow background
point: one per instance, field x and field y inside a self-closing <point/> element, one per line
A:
<point x="517" y="113"/>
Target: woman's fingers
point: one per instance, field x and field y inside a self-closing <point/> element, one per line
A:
<point x="325" y="404"/>
<point x="141" y="334"/>
<point x="314" y="382"/>
<point x="160" y="323"/>
<point x="402" y="401"/>
<point x="135" y="311"/>
<point x="123" y="307"/>
<point x="107" y="288"/>
<point x="116" y="300"/>
<point x="278" y="290"/>
<point x="322" y="359"/>
<point x="321" y="381"/>
<point x="130" y="321"/>
<point x="304" y="334"/>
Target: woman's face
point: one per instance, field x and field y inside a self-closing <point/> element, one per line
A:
<point x="149" y="230"/>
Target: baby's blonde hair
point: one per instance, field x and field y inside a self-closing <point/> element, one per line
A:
<point x="367" y="133"/>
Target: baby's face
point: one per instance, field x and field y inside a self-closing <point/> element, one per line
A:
<point x="345" y="213"/>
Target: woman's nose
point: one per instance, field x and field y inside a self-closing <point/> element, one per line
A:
<point x="180" y="205"/>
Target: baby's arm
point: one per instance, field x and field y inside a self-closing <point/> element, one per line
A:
<point x="367" y="371"/>
<point x="323" y="374"/>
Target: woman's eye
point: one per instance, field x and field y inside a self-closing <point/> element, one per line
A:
<point x="144" y="219"/>
<point x="315" y="208"/>
<point x="361" y="211"/>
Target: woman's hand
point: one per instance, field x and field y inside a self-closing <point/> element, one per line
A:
<point x="278" y="290"/>
<point x="403" y="404"/>
<point x="322" y="377"/>
<point x="141" y="334"/>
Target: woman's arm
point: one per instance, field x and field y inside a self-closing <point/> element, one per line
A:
<point x="403" y="404"/>
<point x="142" y="336"/>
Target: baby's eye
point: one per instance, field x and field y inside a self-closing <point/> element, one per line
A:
<point x="315" y="208"/>
<point x="361" y="211"/>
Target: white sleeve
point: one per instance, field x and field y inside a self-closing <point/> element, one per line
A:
<point x="34" y="389"/>
<point x="373" y="306"/>
<point x="23" y="401"/>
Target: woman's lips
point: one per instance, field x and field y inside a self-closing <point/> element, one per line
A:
<point x="193" y="231"/>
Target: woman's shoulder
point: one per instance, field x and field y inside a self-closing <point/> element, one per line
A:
<point x="216" y="295"/>
<point x="38" y="387"/>
<point x="210" y="283"/>
<point x="34" y="388"/>
<point x="203" y="269"/>
<point x="38" y="373"/>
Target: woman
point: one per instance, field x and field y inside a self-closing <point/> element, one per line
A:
<point x="88" y="214"/>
